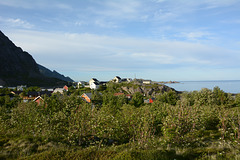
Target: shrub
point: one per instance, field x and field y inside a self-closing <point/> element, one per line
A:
<point x="137" y="99"/>
<point x="170" y="97"/>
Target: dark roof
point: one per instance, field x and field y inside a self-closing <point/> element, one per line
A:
<point x="96" y="83"/>
<point x="95" y="79"/>
<point x="103" y="82"/>
<point x="35" y="93"/>
<point x="88" y="94"/>
<point x="38" y="98"/>
<point x="48" y="93"/>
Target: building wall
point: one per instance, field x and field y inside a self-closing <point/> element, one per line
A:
<point x="94" y="86"/>
<point x="86" y="98"/>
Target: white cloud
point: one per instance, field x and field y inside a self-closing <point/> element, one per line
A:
<point x="195" y="35"/>
<point x="156" y="58"/>
<point x="27" y="4"/>
<point x="179" y="10"/>
<point x="115" y="10"/>
<point x="36" y="4"/>
<point x="19" y="23"/>
<point x="104" y="24"/>
<point x="85" y="52"/>
<point x="63" y="6"/>
<point x="16" y="3"/>
<point x="163" y="16"/>
<point x="81" y="23"/>
<point x="216" y="3"/>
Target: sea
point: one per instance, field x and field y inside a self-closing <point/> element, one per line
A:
<point x="228" y="86"/>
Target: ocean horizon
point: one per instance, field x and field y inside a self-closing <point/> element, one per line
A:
<point x="228" y="86"/>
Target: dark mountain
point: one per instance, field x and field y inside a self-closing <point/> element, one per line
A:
<point x="54" y="74"/>
<point x="18" y="67"/>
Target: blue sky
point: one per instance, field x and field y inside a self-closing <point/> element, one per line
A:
<point x="160" y="40"/>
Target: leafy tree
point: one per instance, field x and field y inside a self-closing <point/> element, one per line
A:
<point x="237" y="100"/>
<point x="220" y="97"/>
<point x="204" y="97"/>
<point x="170" y="97"/>
<point x="187" y="98"/>
<point x="112" y="87"/>
<point x="137" y="99"/>
<point x="114" y="103"/>
<point x="54" y="103"/>
<point x="71" y="90"/>
<point x="97" y="98"/>
<point x="102" y="88"/>
<point x="4" y="91"/>
<point x="32" y="89"/>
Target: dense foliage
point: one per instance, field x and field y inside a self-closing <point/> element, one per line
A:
<point x="192" y="125"/>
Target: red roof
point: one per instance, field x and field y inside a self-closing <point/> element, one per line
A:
<point x="118" y="94"/>
<point x="150" y="100"/>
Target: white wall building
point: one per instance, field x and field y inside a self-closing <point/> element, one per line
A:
<point x="80" y="84"/>
<point x="94" y="83"/>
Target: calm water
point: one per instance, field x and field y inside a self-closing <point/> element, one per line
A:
<point x="230" y="86"/>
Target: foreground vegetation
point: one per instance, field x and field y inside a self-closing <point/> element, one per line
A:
<point x="192" y="125"/>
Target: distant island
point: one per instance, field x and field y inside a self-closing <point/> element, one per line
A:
<point x="165" y="82"/>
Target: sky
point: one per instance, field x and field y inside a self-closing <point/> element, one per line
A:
<point x="161" y="40"/>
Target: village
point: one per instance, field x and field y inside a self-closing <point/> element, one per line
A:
<point x="94" y="85"/>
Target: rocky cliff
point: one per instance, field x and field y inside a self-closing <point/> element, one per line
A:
<point x="18" y="67"/>
<point x="147" y="90"/>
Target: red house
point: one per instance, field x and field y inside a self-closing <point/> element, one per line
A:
<point x="65" y="87"/>
<point x="39" y="100"/>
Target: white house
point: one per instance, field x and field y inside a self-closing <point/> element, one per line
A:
<point x="81" y="84"/>
<point x="146" y="81"/>
<point x="20" y="88"/>
<point x="126" y="80"/>
<point x="47" y="89"/>
<point x="94" y="83"/>
<point x="60" y="90"/>
<point x="116" y="79"/>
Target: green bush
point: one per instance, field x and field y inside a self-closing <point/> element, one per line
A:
<point x="190" y="125"/>
<point x="137" y="99"/>
<point x="170" y="97"/>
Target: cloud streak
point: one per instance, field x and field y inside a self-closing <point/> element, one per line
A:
<point x="19" y="23"/>
<point x="85" y="51"/>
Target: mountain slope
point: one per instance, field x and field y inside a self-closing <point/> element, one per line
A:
<point x="18" y="67"/>
<point x="54" y="74"/>
<point x="14" y="60"/>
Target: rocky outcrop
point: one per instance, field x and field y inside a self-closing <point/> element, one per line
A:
<point x="147" y="90"/>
